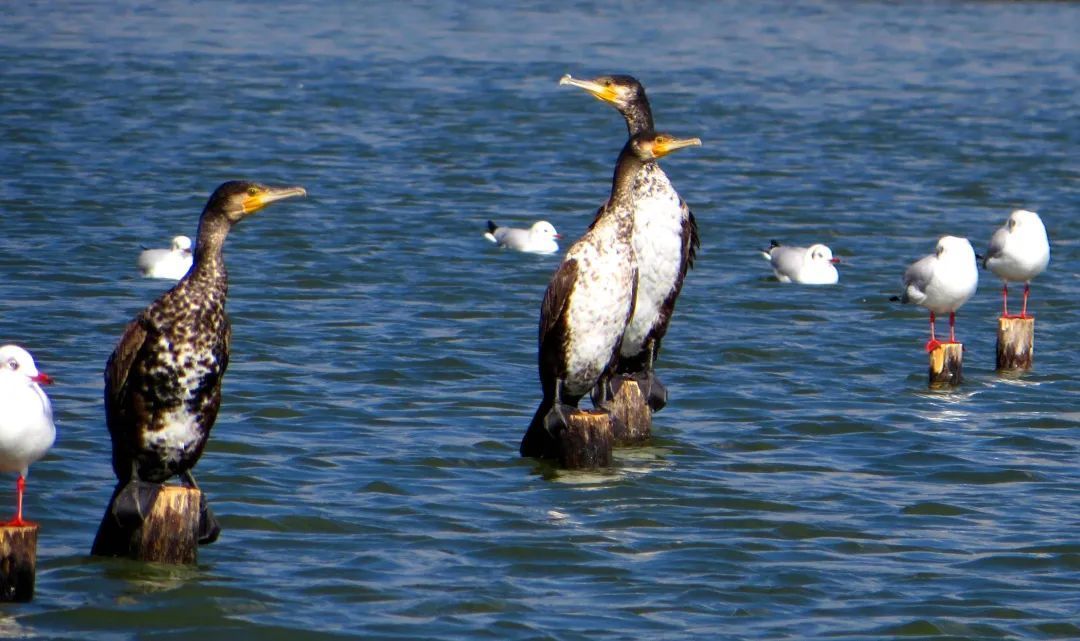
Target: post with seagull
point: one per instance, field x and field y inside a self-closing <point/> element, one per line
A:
<point x="18" y="551"/>
<point x="946" y="365"/>
<point x="942" y="282"/>
<point x="1015" y="342"/>
<point x="1019" y="251"/>
<point x="26" y="434"/>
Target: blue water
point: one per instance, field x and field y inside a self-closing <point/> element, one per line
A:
<point x="803" y="482"/>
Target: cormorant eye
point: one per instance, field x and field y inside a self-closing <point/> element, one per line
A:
<point x="252" y="191"/>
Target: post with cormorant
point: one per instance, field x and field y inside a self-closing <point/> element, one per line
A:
<point x="584" y="316"/>
<point x="664" y="239"/>
<point x="163" y="393"/>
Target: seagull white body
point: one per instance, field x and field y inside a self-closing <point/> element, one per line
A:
<point x="170" y="263"/>
<point x="943" y="281"/>
<point x="539" y="239"/>
<point x="1019" y="251"/>
<point x="26" y="421"/>
<point x="813" y="265"/>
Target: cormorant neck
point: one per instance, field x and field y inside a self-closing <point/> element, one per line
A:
<point x="627" y="168"/>
<point x="207" y="256"/>
<point x="638" y="117"/>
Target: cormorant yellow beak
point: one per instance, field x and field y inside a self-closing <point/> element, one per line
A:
<point x="263" y="197"/>
<point x="665" y="145"/>
<point x="603" y="92"/>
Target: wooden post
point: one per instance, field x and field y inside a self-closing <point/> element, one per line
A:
<point x="1015" y="343"/>
<point x="587" y="441"/>
<point x="18" y="561"/>
<point x="633" y="419"/>
<point x="169" y="534"/>
<point x="946" y="363"/>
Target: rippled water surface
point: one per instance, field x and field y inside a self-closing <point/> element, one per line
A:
<point x="802" y="483"/>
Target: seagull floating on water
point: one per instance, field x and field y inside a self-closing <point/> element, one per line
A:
<point x="942" y="282"/>
<point x="170" y="263"/>
<point x="26" y="422"/>
<point x="538" y="239"/>
<point x="1019" y="251"/>
<point x="813" y="265"/>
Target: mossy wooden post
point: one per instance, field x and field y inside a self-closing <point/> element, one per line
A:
<point x="18" y="561"/>
<point x="633" y="419"/>
<point x="169" y="534"/>
<point x="946" y="363"/>
<point x="1015" y="343"/>
<point x="587" y="440"/>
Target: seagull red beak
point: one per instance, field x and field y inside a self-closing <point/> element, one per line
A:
<point x="835" y="260"/>
<point x="558" y="235"/>
<point x="42" y="378"/>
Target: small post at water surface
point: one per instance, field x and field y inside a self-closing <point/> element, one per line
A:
<point x="946" y="363"/>
<point x="1015" y="342"/>
<point x="633" y="418"/>
<point x="168" y="533"/>
<point x="18" y="561"/>
<point x="587" y="440"/>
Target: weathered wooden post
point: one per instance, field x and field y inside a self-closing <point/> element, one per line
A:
<point x="633" y="418"/>
<point x="18" y="561"/>
<point x="946" y="363"/>
<point x="167" y="534"/>
<point x="587" y="441"/>
<point x="1015" y="342"/>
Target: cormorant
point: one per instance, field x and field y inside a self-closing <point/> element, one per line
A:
<point x="665" y="241"/>
<point x="163" y="380"/>
<point x="590" y="299"/>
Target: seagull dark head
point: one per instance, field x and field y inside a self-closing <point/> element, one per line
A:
<point x="624" y="93"/>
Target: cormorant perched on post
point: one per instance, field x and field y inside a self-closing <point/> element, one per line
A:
<point x="665" y="241"/>
<point x="163" y="380"/>
<point x="590" y="299"/>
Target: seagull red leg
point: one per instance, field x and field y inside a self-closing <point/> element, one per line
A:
<point x="1005" y="300"/>
<point x="20" y="485"/>
<point x="933" y="343"/>
<point x="952" y="327"/>
<point x="1023" y="310"/>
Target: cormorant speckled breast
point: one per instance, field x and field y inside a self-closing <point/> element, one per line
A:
<point x="665" y="241"/>
<point x="590" y="300"/>
<point x="163" y="380"/>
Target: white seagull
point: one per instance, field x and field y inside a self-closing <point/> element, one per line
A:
<point x="170" y="263"/>
<point x="538" y="239"/>
<point x="942" y="282"/>
<point x="1019" y="251"/>
<point x="26" y="422"/>
<point x="813" y="265"/>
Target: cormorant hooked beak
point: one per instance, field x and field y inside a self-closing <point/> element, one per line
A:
<point x="665" y="145"/>
<point x="607" y="93"/>
<point x="263" y="197"/>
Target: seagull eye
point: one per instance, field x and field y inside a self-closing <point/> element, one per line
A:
<point x="13" y="364"/>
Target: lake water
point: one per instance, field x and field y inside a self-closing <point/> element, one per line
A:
<point x="803" y="482"/>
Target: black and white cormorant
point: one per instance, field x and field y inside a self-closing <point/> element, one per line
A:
<point x="665" y="240"/>
<point x="590" y="299"/>
<point x="163" y="380"/>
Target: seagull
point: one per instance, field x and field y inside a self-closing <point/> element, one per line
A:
<point x="26" y="421"/>
<point x="538" y="239"/>
<point x="170" y="263"/>
<point x="1019" y="251"/>
<point x="942" y="282"/>
<point x="813" y="265"/>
